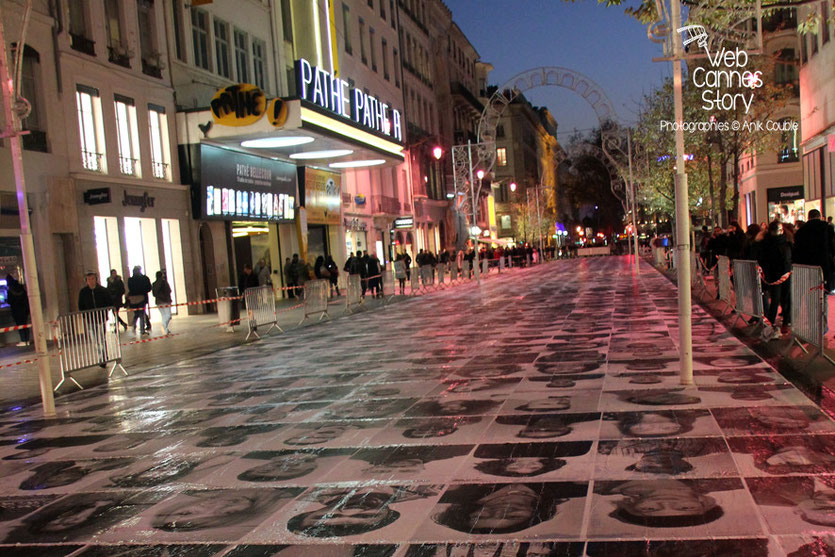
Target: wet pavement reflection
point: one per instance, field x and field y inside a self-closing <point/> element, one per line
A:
<point x="537" y="415"/>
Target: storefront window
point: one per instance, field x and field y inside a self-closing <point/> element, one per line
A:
<point x="173" y="254"/>
<point x="141" y="243"/>
<point x="108" y="251"/>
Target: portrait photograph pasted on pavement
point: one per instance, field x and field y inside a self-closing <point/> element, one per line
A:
<point x="434" y="464"/>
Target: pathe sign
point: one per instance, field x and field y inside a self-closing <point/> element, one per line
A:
<point x="334" y="94"/>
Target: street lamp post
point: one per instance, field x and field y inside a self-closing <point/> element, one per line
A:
<point x="13" y="133"/>
<point x="462" y="162"/>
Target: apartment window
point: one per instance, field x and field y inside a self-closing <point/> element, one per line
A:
<point x="126" y="135"/>
<point x="383" y="9"/>
<point x="79" y="33"/>
<point x="500" y="130"/>
<point x="90" y="132"/>
<point x="804" y="52"/>
<point x="149" y="55"/>
<point x="158" y="127"/>
<point x="222" y="47"/>
<point x="287" y="20"/>
<point x="259" y="66"/>
<point x="392" y="12"/>
<point x="200" y="38"/>
<point x="501" y="156"/>
<point x="242" y="56"/>
<point x="118" y="52"/>
<point x="385" y="49"/>
<point x="396" y="68"/>
<point x="363" y="57"/>
<point x="346" y="24"/>
<point x="371" y="4"/>
<point x="786" y="67"/>
<point x="371" y="47"/>
<point x="826" y="13"/>
<point x="176" y="17"/>
<point x="35" y="140"/>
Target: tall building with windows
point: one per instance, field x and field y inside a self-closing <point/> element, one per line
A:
<point x="526" y="155"/>
<point x="99" y="159"/>
<point x="771" y="181"/>
<point x="817" y="109"/>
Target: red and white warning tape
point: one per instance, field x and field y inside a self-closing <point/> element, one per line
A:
<point x="779" y="281"/>
<point x="15" y="328"/>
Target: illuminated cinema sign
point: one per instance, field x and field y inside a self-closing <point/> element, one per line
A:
<point x="336" y="95"/>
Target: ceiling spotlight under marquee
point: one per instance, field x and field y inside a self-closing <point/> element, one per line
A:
<point x="330" y="154"/>
<point x="357" y="164"/>
<point x="277" y="142"/>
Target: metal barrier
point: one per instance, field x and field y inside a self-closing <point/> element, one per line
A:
<point x="353" y="292"/>
<point x="501" y="263"/>
<point x="228" y="311"/>
<point x="724" y="270"/>
<point x="389" y="284"/>
<point x="659" y="256"/>
<point x="427" y="275"/>
<point x="748" y="289"/>
<point x="86" y="339"/>
<point x="316" y="299"/>
<point x="260" y="310"/>
<point x="414" y="281"/>
<point x="453" y="271"/>
<point x="808" y="296"/>
<point x="465" y="269"/>
<point x="441" y="268"/>
<point x="485" y="266"/>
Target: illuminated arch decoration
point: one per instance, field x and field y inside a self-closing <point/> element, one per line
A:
<point x="615" y="180"/>
<point x="613" y="136"/>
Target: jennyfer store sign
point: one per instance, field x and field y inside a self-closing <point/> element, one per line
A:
<point x="336" y="95"/>
<point x="237" y="186"/>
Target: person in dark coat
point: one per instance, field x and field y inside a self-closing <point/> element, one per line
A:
<point x="95" y="296"/>
<point x="18" y="301"/>
<point x="814" y="244"/>
<point x="288" y="277"/>
<point x="162" y="297"/>
<point x="139" y="286"/>
<point x="735" y="243"/>
<point x="319" y="267"/>
<point x="116" y="289"/>
<point x="333" y="276"/>
<point x="359" y="267"/>
<point x="775" y="259"/>
<point x="375" y="282"/>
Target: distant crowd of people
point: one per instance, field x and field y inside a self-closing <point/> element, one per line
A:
<point x="775" y="246"/>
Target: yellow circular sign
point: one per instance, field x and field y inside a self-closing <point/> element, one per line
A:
<point x="277" y="113"/>
<point x="238" y="105"/>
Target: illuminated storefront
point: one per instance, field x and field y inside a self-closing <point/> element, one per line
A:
<point x="786" y="204"/>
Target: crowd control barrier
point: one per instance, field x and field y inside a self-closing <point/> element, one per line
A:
<point x="316" y="299"/>
<point x="501" y="263"/>
<point x="724" y="273"/>
<point x="427" y="275"/>
<point x="659" y="256"/>
<point x="453" y="271"/>
<point x="485" y="266"/>
<point x="389" y="285"/>
<point x="353" y="292"/>
<point x="748" y="289"/>
<point x="808" y="295"/>
<point x="260" y="310"/>
<point x="465" y="269"/>
<point x="441" y="268"/>
<point x="86" y="339"/>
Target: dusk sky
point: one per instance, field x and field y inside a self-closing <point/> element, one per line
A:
<point x="605" y="44"/>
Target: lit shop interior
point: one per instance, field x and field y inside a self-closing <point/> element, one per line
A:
<point x="153" y="244"/>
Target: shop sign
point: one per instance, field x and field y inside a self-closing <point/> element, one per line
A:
<point x="238" y="105"/>
<point x="239" y="186"/>
<point x="780" y="195"/>
<point x="404" y="222"/>
<point x="359" y="199"/>
<point x="142" y="201"/>
<point x="334" y="94"/>
<point x="355" y="224"/>
<point x="322" y="196"/>
<point x="97" y="196"/>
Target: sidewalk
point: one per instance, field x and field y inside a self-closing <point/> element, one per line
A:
<point x="814" y="375"/>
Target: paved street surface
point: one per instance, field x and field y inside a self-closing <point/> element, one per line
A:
<point x="537" y="415"/>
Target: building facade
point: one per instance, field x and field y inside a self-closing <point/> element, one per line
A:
<point x="771" y="182"/>
<point x="817" y="114"/>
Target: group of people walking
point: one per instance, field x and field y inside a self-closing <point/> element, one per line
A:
<point x="775" y="247"/>
<point x="135" y="298"/>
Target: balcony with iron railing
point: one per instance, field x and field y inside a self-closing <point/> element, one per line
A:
<point x="82" y="44"/>
<point x="128" y="166"/>
<point x="386" y="205"/>
<point x="159" y="170"/>
<point x="92" y="161"/>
